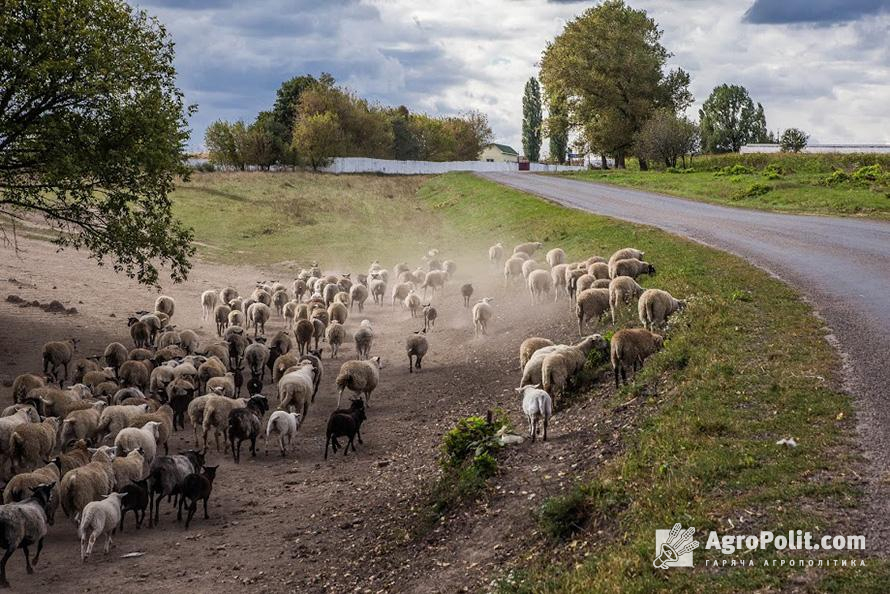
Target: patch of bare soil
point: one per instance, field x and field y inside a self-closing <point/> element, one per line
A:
<point x="301" y="523"/>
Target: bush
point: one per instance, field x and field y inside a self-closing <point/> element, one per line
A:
<point x="471" y="435"/>
<point x="565" y="515"/>
<point x="869" y="173"/>
<point x="793" y="140"/>
<point x="753" y="191"/>
<point x="838" y="176"/>
<point x="679" y="170"/>
<point x="736" y="169"/>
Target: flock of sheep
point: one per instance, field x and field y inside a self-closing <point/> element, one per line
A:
<point x="129" y="406"/>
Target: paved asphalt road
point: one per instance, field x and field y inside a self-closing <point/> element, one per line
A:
<point x="842" y="265"/>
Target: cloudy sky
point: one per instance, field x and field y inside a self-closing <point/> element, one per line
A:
<point x="820" y="65"/>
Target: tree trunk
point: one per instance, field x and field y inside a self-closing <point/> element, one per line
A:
<point x="644" y="164"/>
<point x="604" y="162"/>
<point x="619" y="161"/>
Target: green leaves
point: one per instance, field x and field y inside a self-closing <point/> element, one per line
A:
<point x="729" y="119"/>
<point x="532" y="120"/>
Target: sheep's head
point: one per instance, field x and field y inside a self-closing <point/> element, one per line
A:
<point x="650" y="269"/>
<point x="658" y="340"/>
<point x="376" y="361"/>
<point x="210" y="472"/>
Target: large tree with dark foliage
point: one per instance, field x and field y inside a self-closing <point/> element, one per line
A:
<point x="92" y="131"/>
<point x="730" y="120"/>
<point x="531" y="120"/>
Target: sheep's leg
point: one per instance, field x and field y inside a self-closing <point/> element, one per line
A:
<point x="546" y="422"/>
<point x="326" y="443"/>
<point x="193" y="506"/>
<point x="107" y="542"/>
<point x="617" y="384"/>
<point x="348" y="443"/>
<point x="253" y="446"/>
<point x="27" y="559"/>
<point x="3" y="581"/>
<point x="179" y="510"/>
<point x="206" y="515"/>
<point x="37" y="554"/>
<point x="281" y="444"/>
<point x="358" y="433"/>
<point x="410" y="364"/>
<point x="91" y="542"/>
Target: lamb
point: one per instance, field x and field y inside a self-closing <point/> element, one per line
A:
<point x="115" y="418"/>
<point x="88" y="483"/>
<point x="216" y="417"/>
<point x="167" y="476"/>
<point x="258" y="314"/>
<point x="304" y="332"/>
<point x="630" y="267"/>
<point x="99" y="517"/>
<point x="630" y="348"/>
<point x="482" y="314"/>
<point x="529" y="346"/>
<point x="435" y="281"/>
<point x="134" y="373"/>
<point x="591" y="305"/>
<point x="237" y="318"/>
<point x="165" y="305"/>
<point x="528" y="248"/>
<point x="22" y="525"/>
<point x="23" y="385"/>
<point x="412" y="302"/>
<point x="538" y="407"/>
<point x="246" y="423"/>
<point x="209" y="301"/>
<point x="378" y="290"/>
<point x="296" y="387"/>
<point x="32" y="443"/>
<point x="622" y="289"/>
<point x="164" y="416"/>
<point x="135" y="499"/>
<point x="400" y="291"/>
<point x="656" y="306"/>
<point x="539" y="285"/>
<point x="345" y="423"/>
<point x="21" y="485"/>
<point x="58" y="354"/>
<point x="337" y="312"/>
<point x="335" y="335"/>
<point x="279" y="299"/>
<point x="429" y="316"/>
<point x="625" y="254"/>
<point x="224" y="386"/>
<point x="360" y="377"/>
<point x="466" y="291"/>
<point x="416" y="346"/>
<point x="533" y="371"/>
<point x="512" y="269"/>
<point x="358" y="294"/>
<point x="144" y="438"/>
<point x="130" y="468"/>
<point x="496" y="254"/>
<point x="221" y="316"/>
<point x="555" y="257"/>
<point x="285" y="425"/>
<point x="194" y="487"/>
<point x="363" y="338"/>
<point x="257" y="356"/>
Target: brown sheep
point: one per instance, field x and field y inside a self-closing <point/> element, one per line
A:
<point x="630" y="348"/>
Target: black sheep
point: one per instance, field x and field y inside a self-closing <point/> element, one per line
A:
<point x="246" y="423"/>
<point x="238" y="377"/>
<point x="166" y="478"/>
<point x="254" y="386"/>
<point x="195" y="487"/>
<point x="23" y="524"/>
<point x="346" y="422"/>
<point x="135" y="499"/>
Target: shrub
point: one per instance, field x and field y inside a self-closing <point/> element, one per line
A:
<point x="563" y="516"/>
<point x="679" y="170"/>
<point x="736" y="169"/>
<point x="753" y="191"/>
<point x="869" y="173"/>
<point x="472" y="435"/>
<point x="838" y="176"/>
<point x="793" y="140"/>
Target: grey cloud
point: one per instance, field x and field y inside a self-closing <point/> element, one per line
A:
<point x="812" y="11"/>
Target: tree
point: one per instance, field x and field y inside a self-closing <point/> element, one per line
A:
<point x="729" y="120"/>
<point x="93" y="131"/>
<point x="667" y="137"/>
<point x="318" y="138"/>
<point x="405" y="144"/>
<point x="558" y="129"/>
<point x="609" y="63"/>
<point x="222" y="144"/>
<point x="531" y="120"/>
<point x="793" y="140"/>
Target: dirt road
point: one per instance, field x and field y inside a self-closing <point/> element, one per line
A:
<point x="842" y="265"/>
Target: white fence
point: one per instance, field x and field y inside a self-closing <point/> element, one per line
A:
<point x="820" y="148"/>
<point x="389" y="167"/>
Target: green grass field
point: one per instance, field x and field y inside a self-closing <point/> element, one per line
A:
<point x="800" y="188"/>
<point x="716" y="399"/>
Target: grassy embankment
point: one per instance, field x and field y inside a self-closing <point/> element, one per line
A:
<point x="745" y="365"/>
<point x="780" y="182"/>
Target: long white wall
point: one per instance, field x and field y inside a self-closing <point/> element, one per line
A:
<point x="390" y="167"/>
<point x="820" y="148"/>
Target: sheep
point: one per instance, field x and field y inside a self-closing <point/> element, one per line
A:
<point x="22" y="525"/>
<point x="166" y="479"/>
<point x="429" y="317"/>
<point x="99" y="517"/>
<point x="599" y="270"/>
<point x="80" y="424"/>
<point x="624" y="254"/>
<point x="128" y="469"/>
<point x="539" y="285"/>
<point x="134" y="498"/>
<point x="209" y="369"/>
<point x="416" y="346"/>
<point x="529" y="346"/>
<point x="466" y="291"/>
<point x="75" y="456"/>
<point x="261" y="295"/>
<point x="496" y="254"/>
<point x="572" y="276"/>
<point x="346" y="423"/>
<point x="194" y="487"/>
<point x="622" y="289"/>
<point x="335" y="334"/>
<point x="224" y="385"/>
<point x="630" y="267"/>
<point x="82" y="367"/>
<point x="163" y="415"/>
<point x="528" y="248"/>
<point x="559" y="367"/>
<point x="58" y="354"/>
<point x="314" y="357"/>
<point x="304" y="332"/>
<point x="299" y="289"/>
<point x="88" y="483"/>
<point x="285" y="425"/>
<point x="290" y="314"/>
<point x="154" y="324"/>
<point x="361" y="377"/>
<point x="282" y="364"/>
<point x="117" y="417"/>
<point x="558" y="280"/>
<point x="139" y="354"/>
<point x="584" y="282"/>
<point x="319" y="327"/>
<point x="377" y="288"/>
<point x="23" y="384"/>
<point x="165" y="305"/>
<point x="555" y="257"/>
<point x="209" y="301"/>
<point x="342" y="297"/>
<point x="236" y="317"/>
<point x="591" y="305"/>
<point x="358" y="294"/>
<point x="188" y="340"/>
<point x="413" y="302"/>
<point x="363" y="338"/>
<point x="21" y="485"/>
<point x="530" y="266"/>
<point x="144" y="438"/>
<point x="533" y="371"/>
<point x="434" y="280"/>
<point x="32" y="443"/>
<point x="538" y="407"/>
<point x="400" y="291"/>
<point x="8" y="426"/>
<point x="246" y="423"/>
<point x="221" y="316"/>
<point x="512" y="269"/>
<point x="158" y="381"/>
<point x="216" y="417"/>
<point x="279" y="299"/>
<point x="180" y="393"/>
<point x="134" y="373"/>
<point x="482" y="314"/>
<point x="257" y="356"/>
<point x="630" y="348"/>
<point x="338" y="312"/>
<point x="258" y="314"/>
<point x="167" y="338"/>
<point x="295" y="388"/>
<point x="521" y="255"/>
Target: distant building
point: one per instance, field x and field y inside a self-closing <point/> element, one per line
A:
<point x="499" y="153"/>
<point x="820" y="148"/>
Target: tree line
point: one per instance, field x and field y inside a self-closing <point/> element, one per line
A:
<point x="314" y="119"/>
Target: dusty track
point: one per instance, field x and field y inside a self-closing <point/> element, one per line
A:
<point x="842" y="265"/>
<point x="302" y="523"/>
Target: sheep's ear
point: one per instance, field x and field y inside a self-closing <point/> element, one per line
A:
<point x="537" y="386"/>
<point x="519" y="389"/>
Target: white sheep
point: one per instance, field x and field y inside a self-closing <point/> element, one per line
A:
<point x="434" y="280"/>
<point x="165" y="305"/>
<point x="538" y="408"/>
<point x="295" y="388"/>
<point x="285" y="425"/>
<point x="630" y="348"/>
<point x="413" y="302"/>
<point x="209" y="301"/>
<point x="512" y="269"/>
<point x="258" y="314"/>
<point x="145" y="438"/>
<point x="496" y="254"/>
<point x="655" y="306"/>
<point x="335" y="335"/>
<point x="361" y="377"/>
<point x="98" y="518"/>
<point x="625" y="254"/>
<point x="129" y="469"/>
<point x="363" y="338"/>
<point x="539" y="285"/>
<point x="630" y="267"/>
<point x="555" y="257"/>
<point x="482" y="314"/>
<point x="528" y="248"/>
<point x="58" y="354"/>
<point x="400" y="291"/>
